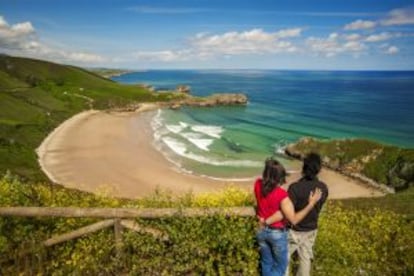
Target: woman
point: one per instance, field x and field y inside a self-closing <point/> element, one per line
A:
<point x="270" y="197"/>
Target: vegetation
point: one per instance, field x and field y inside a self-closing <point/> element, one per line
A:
<point x="350" y="241"/>
<point x="36" y="96"/>
<point x="363" y="242"/>
<point x="384" y="164"/>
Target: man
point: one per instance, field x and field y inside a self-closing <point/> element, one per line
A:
<point x="302" y="235"/>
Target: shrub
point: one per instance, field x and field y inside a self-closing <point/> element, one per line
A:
<point x="356" y="242"/>
<point x="350" y="241"/>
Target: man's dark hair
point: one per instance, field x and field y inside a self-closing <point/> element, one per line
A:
<point x="311" y="166"/>
<point x="273" y="175"/>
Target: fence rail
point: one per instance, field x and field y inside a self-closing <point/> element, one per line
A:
<point x="75" y="212"/>
<point x="118" y="218"/>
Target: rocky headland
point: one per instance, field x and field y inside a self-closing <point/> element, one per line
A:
<point x="210" y="101"/>
<point x="386" y="168"/>
<point x="181" y="96"/>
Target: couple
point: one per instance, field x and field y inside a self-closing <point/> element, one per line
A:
<point x="300" y="206"/>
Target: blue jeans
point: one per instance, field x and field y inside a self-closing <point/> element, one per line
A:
<point x="273" y="251"/>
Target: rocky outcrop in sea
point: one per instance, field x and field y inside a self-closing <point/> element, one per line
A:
<point x="210" y="101"/>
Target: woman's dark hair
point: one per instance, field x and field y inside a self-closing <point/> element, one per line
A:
<point x="311" y="166"/>
<point x="274" y="174"/>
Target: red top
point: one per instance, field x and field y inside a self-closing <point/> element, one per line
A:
<point x="267" y="206"/>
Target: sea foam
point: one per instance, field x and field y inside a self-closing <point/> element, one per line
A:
<point x="279" y="148"/>
<point x="230" y="163"/>
<point x="213" y="131"/>
<point x="176" y="146"/>
<point x="177" y="128"/>
<point x="156" y="121"/>
<point x="180" y="149"/>
<point x="198" y="140"/>
<point x="201" y="143"/>
<point x="199" y="135"/>
<point x="174" y="128"/>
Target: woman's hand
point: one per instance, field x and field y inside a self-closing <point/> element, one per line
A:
<point x="262" y="223"/>
<point x="315" y="196"/>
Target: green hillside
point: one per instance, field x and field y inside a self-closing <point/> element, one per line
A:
<point x="36" y="96"/>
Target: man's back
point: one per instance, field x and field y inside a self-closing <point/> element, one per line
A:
<point x="299" y="194"/>
<point x="302" y="236"/>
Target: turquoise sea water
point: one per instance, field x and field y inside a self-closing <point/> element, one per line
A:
<point x="232" y="142"/>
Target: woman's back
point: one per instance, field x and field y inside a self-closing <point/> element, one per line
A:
<point x="269" y="204"/>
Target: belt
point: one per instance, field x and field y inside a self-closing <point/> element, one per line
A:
<point x="282" y="229"/>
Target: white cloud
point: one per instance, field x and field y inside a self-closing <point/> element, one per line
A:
<point x="22" y="28"/>
<point x="360" y="24"/>
<point x="15" y="36"/>
<point x="3" y="22"/>
<point x="354" y="46"/>
<point x="403" y="16"/>
<point x="83" y="57"/>
<point x="333" y="36"/>
<point x="20" y="39"/>
<point x="399" y="17"/>
<point x="379" y="37"/>
<point x="334" y="45"/>
<point x="255" y="41"/>
<point x="203" y="46"/>
<point x="352" y="37"/>
<point x="65" y="56"/>
<point x="392" y="50"/>
<point x="294" y="32"/>
<point x="165" y="55"/>
<point x="327" y="47"/>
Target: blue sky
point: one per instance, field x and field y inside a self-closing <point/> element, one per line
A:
<point x="320" y="35"/>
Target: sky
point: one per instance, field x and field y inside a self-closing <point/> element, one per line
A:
<point x="212" y="34"/>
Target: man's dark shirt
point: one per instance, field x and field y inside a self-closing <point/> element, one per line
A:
<point x="299" y="194"/>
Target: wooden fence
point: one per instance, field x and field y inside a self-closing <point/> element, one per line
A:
<point x="119" y="218"/>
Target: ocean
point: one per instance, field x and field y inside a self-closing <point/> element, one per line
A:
<point x="284" y="106"/>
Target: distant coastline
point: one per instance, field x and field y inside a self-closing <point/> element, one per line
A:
<point x="110" y="73"/>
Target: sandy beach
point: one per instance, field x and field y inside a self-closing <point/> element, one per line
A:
<point x="112" y="153"/>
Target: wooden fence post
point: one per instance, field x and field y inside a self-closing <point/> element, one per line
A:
<point x="118" y="238"/>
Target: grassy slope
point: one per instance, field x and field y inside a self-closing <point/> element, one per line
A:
<point x="35" y="96"/>
<point x="401" y="203"/>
